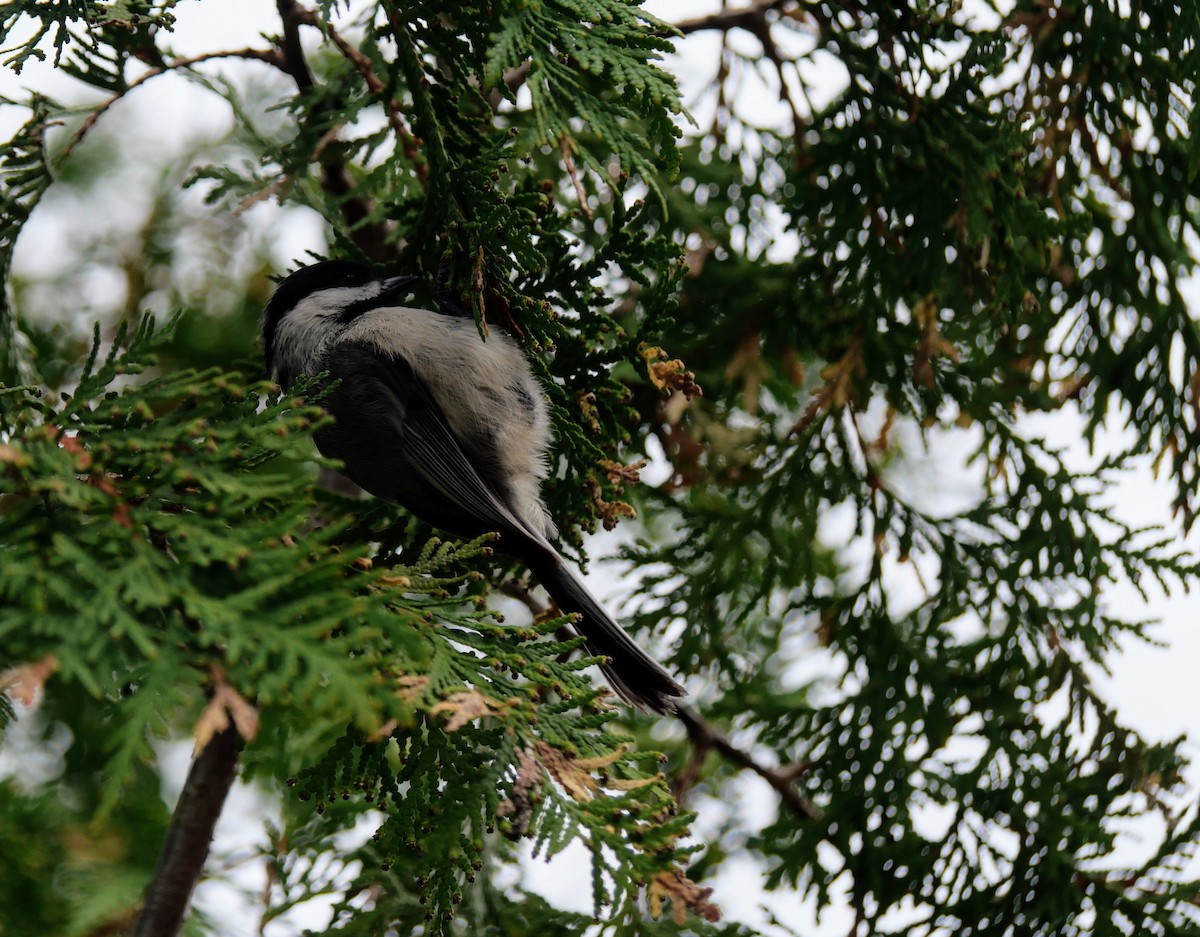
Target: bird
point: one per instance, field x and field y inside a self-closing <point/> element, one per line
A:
<point x="452" y="426"/>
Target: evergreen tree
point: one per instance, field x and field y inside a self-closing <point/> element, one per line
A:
<point x="987" y="214"/>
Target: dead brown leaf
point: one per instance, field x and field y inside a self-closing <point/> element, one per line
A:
<point x="587" y="409"/>
<point x="669" y="374"/>
<point x="411" y="686"/>
<point x="225" y="702"/>
<point x="520" y="803"/>
<point x="684" y="894"/>
<point x="83" y="458"/>
<point x="747" y="363"/>
<point x="25" y="681"/>
<point x="609" y="512"/>
<point x="575" y="774"/>
<point x="932" y="344"/>
<point x="469" y="705"/>
<point x="839" y="377"/>
<point x="620" y="474"/>
<point x="384" y="731"/>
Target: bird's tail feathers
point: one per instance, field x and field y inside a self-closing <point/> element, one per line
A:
<point x="636" y="676"/>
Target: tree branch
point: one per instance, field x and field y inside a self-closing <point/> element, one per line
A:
<point x="519" y="591"/>
<point x="513" y="78"/>
<point x="190" y="836"/>
<point x="705" y="736"/>
<point x="371" y="237"/>
<point x="296" y="65"/>
<point x="377" y="87"/>
<point x="729" y="18"/>
<point x="270" y="56"/>
<point x="753" y="19"/>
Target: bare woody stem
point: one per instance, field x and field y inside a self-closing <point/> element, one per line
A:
<point x="189" y="837"/>
<point x="705" y="737"/>
<point x="747" y="17"/>
<point x="376" y="86"/>
<point x="371" y="237"/>
<point x="270" y="56"/>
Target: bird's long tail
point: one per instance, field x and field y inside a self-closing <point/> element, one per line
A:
<point x="636" y="676"/>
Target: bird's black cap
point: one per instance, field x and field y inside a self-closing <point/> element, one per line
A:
<point x="325" y="275"/>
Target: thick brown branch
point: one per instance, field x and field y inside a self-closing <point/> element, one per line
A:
<point x="188" y="840"/>
<point x="513" y="78"/>
<point x="376" y="86"/>
<point x="296" y="65"/>
<point x="370" y="236"/>
<point x="705" y="736"/>
<point x="747" y="17"/>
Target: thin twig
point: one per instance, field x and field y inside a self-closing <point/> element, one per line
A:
<point x="270" y="56"/>
<point x="376" y="86"/>
<point x="515" y="589"/>
<point x="569" y="162"/>
<point x="370" y="236"/>
<point x="705" y="738"/>
<point x="762" y="32"/>
<point x="731" y="17"/>
<point x="513" y="79"/>
<point x="686" y="779"/>
<point x="190" y="836"/>
<point x="704" y="735"/>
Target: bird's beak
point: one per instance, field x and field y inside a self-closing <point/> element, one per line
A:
<point x="394" y="286"/>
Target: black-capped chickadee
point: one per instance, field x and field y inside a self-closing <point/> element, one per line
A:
<point x="452" y="427"/>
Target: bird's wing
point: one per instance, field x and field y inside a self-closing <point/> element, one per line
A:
<point x="403" y="416"/>
<point x="430" y="446"/>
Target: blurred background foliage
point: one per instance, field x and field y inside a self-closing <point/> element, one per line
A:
<point x="882" y="238"/>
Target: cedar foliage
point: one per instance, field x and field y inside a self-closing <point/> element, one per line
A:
<point x="988" y="220"/>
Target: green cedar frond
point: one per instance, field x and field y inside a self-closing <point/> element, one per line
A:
<point x="989" y="221"/>
<point x="24" y="178"/>
<point x="589" y="60"/>
<point x="153" y="533"/>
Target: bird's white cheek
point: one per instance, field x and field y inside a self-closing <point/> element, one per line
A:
<point x="302" y="338"/>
